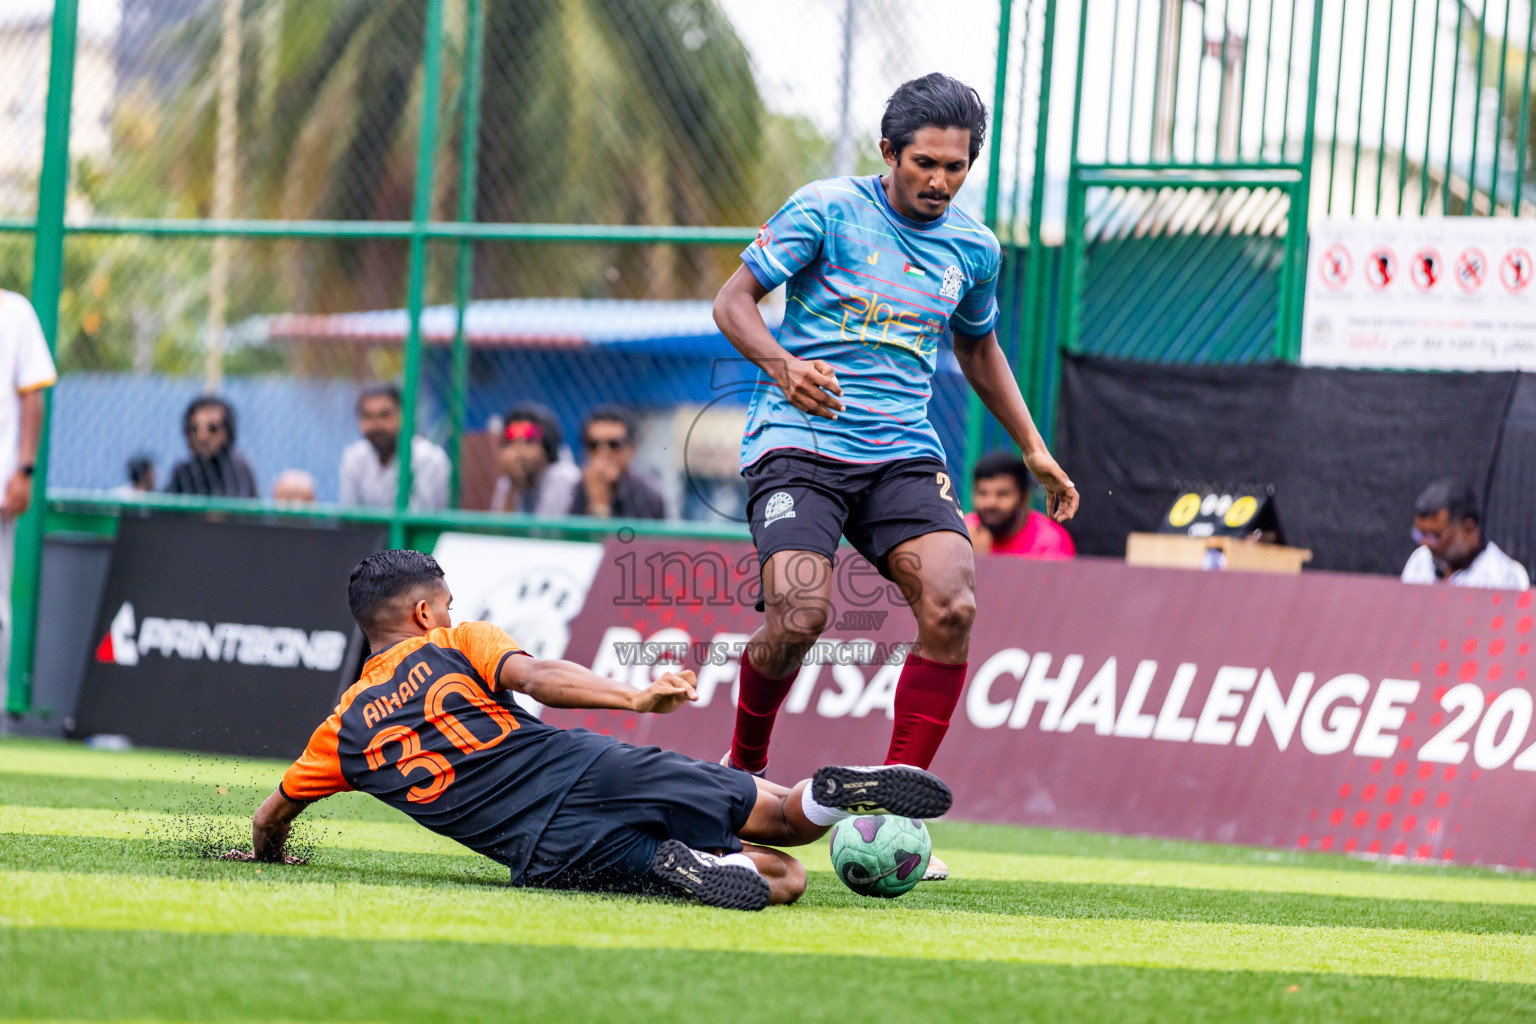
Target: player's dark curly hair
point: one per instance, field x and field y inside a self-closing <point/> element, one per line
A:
<point x="379" y="580"/>
<point x="1455" y="496"/>
<point x="933" y="101"/>
<point x="1003" y="464"/>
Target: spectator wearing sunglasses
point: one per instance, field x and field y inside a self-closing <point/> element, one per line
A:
<point x="213" y="467"/>
<point x="608" y="488"/>
<point x="537" y="476"/>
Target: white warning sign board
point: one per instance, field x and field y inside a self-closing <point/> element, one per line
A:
<point x="1452" y="293"/>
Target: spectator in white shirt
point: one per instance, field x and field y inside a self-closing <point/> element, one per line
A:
<point x="27" y="368"/>
<point x="1452" y="548"/>
<point x="369" y="469"/>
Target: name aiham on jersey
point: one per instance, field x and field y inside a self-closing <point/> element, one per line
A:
<point x="277" y="646"/>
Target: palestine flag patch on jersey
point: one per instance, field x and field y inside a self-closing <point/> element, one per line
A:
<point x="913" y="269"/>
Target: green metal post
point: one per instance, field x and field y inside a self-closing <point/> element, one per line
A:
<point x="1498" y="113"/>
<point x="1297" y="227"/>
<point x="421" y="212"/>
<point x="47" y="282"/>
<point x="975" y="411"/>
<point x="1033" y="316"/>
<point x="469" y="156"/>
<point x="999" y="100"/>
<point x="1477" y="114"/>
<point x="1525" y="112"/>
<point x="1072" y="248"/>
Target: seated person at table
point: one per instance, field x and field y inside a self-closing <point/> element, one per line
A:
<point x="1447" y="525"/>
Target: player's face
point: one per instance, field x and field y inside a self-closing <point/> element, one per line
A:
<point x="997" y="500"/>
<point x="521" y="459"/>
<point x="608" y="445"/>
<point x="207" y="432"/>
<point x="929" y="172"/>
<point x="1453" y="543"/>
<point x="378" y="418"/>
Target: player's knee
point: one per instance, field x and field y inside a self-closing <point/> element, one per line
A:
<point x="789" y="884"/>
<point x="951" y="614"/>
<point x="799" y="626"/>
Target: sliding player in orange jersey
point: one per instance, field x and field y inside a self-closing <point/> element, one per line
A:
<point x="431" y="729"/>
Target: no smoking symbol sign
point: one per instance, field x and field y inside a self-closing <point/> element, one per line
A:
<point x="1515" y="269"/>
<point x="1471" y="270"/>
<point x="1380" y="268"/>
<point x="1334" y="266"/>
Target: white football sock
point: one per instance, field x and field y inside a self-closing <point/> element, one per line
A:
<point x="820" y="814"/>
<point x="740" y="860"/>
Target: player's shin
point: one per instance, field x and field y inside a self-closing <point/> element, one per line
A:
<point x="926" y="695"/>
<point x="757" y="706"/>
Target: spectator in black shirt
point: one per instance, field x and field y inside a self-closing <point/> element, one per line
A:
<point x="214" y="468"/>
<point x="608" y="488"/>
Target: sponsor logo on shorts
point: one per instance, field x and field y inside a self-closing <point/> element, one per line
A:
<point x="780" y="506"/>
<point x="953" y="279"/>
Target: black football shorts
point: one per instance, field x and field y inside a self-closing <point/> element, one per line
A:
<point x="609" y="825"/>
<point x="798" y="501"/>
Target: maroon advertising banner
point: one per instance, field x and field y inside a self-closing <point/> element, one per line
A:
<point x="1320" y="711"/>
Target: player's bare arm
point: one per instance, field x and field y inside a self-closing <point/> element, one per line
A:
<point x="811" y="385"/>
<point x="565" y="684"/>
<point x="984" y="365"/>
<point x="269" y="831"/>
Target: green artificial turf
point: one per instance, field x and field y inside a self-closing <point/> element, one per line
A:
<point x="112" y="908"/>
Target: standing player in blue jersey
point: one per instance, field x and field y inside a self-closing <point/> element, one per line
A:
<point x="877" y="268"/>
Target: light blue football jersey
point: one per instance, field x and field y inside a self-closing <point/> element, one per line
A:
<point x="870" y="292"/>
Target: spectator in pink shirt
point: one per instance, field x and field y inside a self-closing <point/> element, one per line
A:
<point x="1003" y="523"/>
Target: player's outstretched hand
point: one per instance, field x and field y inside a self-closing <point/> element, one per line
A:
<point x="668" y="693"/>
<point x="247" y="855"/>
<point x="1060" y="493"/>
<point x="811" y="386"/>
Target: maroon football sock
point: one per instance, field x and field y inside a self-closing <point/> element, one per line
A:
<point x="926" y="695"/>
<point x="757" y="705"/>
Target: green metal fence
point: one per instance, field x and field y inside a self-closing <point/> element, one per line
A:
<point x="206" y="174"/>
<point x="214" y="186"/>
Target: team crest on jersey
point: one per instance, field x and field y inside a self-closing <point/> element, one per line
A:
<point x="780" y="506"/>
<point x="953" y="279"/>
<point x="762" y="237"/>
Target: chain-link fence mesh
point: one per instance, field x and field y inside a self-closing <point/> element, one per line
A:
<point x="671" y="113"/>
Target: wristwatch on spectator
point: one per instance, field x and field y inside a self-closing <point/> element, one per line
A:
<point x="27" y="468"/>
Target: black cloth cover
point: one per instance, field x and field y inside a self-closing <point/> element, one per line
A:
<point x="1346" y="450"/>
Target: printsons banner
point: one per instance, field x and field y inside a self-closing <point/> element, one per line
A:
<point x="1320" y="711"/>
<point x="221" y="637"/>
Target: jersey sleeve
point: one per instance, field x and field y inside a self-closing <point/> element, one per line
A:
<point x="34" y="363"/>
<point x="317" y="773"/>
<point x="790" y="241"/>
<point x="977" y="313"/>
<point x="486" y="646"/>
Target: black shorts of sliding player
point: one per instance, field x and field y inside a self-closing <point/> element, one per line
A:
<point x="607" y="829"/>
<point x="799" y="501"/>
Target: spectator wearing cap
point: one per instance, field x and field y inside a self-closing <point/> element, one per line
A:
<point x="537" y="477"/>
<point x="213" y="467"/>
<point x="608" y="488"/>
<point x="369" y="469"/>
<point x="1447" y="525"/>
<point x="1003" y="523"/>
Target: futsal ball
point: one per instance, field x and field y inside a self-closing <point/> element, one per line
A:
<point x="880" y="855"/>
